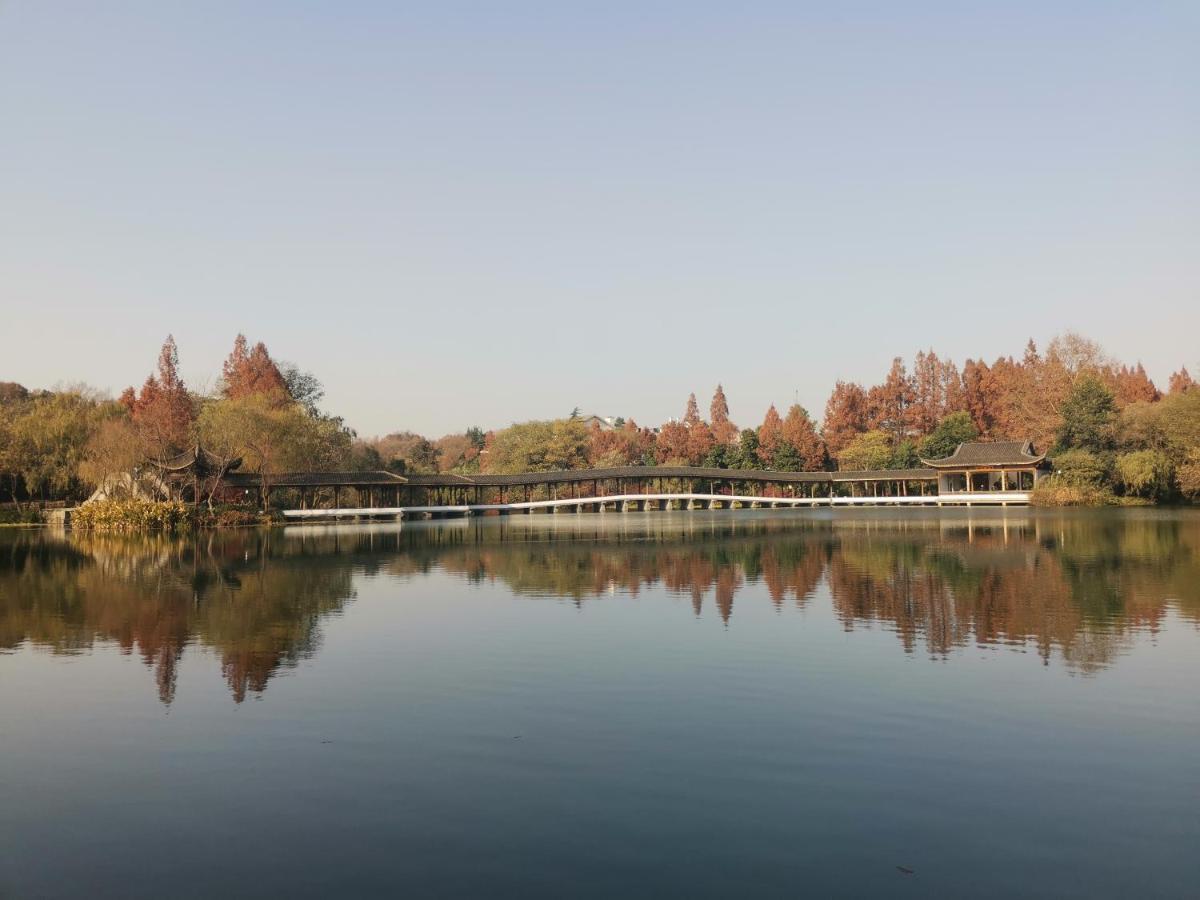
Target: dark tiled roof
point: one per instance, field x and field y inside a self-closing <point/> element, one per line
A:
<point x="994" y="453"/>
<point x="885" y="475"/>
<point x="196" y="457"/>
<point x="699" y="472"/>
<point x="317" y="479"/>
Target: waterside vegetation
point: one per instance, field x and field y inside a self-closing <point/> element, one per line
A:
<point x="1112" y="435"/>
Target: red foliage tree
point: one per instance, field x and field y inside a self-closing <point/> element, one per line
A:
<point x="889" y="405"/>
<point x="770" y="436"/>
<point x="162" y="410"/>
<point x="800" y="432"/>
<point x="247" y="372"/>
<point x="1133" y="385"/>
<point x="1180" y="381"/>
<point x="723" y="430"/>
<point x="845" y="416"/>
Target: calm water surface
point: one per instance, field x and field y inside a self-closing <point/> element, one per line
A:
<point x="647" y="704"/>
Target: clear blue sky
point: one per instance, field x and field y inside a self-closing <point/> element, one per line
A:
<point x="462" y="214"/>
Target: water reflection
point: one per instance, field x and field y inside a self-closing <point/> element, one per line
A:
<point x="1078" y="585"/>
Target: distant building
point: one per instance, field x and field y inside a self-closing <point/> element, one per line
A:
<point x="604" y="423"/>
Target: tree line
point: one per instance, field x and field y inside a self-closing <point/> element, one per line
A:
<point x="1107" y="426"/>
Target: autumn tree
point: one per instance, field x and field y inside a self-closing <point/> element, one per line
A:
<point x="457" y="453"/>
<point x="163" y="410"/>
<point x="249" y="371"/>
<point x="1180" y="381"/>
<point x="406" y="451"/>
<point x="845" y="416"/>
<point x="800" y="433"/>
<point x="1133" y="385"/>
<point x="628" y="445"/>
<point x="889" y="405"/>
<point x="700" y="436"/>
<point x="723" y="430"/>
<point x="770" y="436"/>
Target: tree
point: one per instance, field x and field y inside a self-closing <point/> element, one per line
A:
<point x="163" y="410"/>
<point x="1088" y="416"/>
<point x="1180" y="381"/>
<point x="303" y="387"/>
<point x="1145" y="473"/>
<point x="889" y="405"/>
<point x="688" y="441"/>
<point x="1133" y="385"/>
<point x="456" y="453"/>
<point x="624" y="446"/>
<point x="934" y="389"/>
<point x="251" y="371"/>
<point x="956" y="428"/>
<point x="904" y="456"/>
<point x="539" y="447"/>
<point x="770" y="436"/>
<point x="271" y="437"/>
<point x="1187" y="475"/>
<point x="1081" y="468"/>
<point x="872" y="450"/>
<point x="723" y="430"/>
<point x="845" y="416"/>
<point x="48" y="438"/>
<point x="800" y="433"/>
<point x="114" y="450"/>
<point x="979" y="396"/>
<point x="746" y="456"/>
<point x="413" y="452"/>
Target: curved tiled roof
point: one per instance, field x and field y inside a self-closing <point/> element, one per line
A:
<point x="573" y="475"/>
<point x="317" y="479"/>
<point x="992" y="453"/>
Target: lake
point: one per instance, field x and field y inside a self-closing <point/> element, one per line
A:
<point x="708" y="704"/>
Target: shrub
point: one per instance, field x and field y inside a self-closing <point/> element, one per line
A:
<point x="10" y="515"/>
<point x="1188" y="475"/>
<point x="1145" y="473"/>
<point x="1055" y="490"/>
<point x="1081" y="468"/>
<point x="134" y="515"/>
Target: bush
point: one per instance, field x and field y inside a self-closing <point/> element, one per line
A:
<point x="10" y="515"/>
<point x="1081" y="468"/>
<point x="234" y="517"/>
<point x="134" y="515"/>
<point x="1056" y="490"/>
<point x="1188" y="475"/>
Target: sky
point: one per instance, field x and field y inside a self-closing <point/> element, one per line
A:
<point x="462" y="214"/>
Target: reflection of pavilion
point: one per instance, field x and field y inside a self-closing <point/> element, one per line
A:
<point x="1006" y="469"/>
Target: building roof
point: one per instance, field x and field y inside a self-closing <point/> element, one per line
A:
<point x="196" y="459"/>
<point x="993" y="453"/>
<point x="698" y="472"/>
<point x="317" y="479"/>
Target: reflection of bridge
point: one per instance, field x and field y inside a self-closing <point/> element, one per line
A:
<point x="633" y="488"/>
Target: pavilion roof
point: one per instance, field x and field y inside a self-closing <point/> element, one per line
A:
<point x="318" y="479"/>
<point x="989" y="453"/>
<point x="195" y="458"/>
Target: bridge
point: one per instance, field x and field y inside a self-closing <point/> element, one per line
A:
<point x="321" y="495"/>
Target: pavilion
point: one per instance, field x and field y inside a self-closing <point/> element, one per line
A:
<point x="997" y="466"/>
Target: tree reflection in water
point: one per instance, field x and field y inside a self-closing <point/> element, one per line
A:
<point x="1079" y="584"/>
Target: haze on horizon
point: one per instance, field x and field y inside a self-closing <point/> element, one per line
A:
<point x="460" y="214"/>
